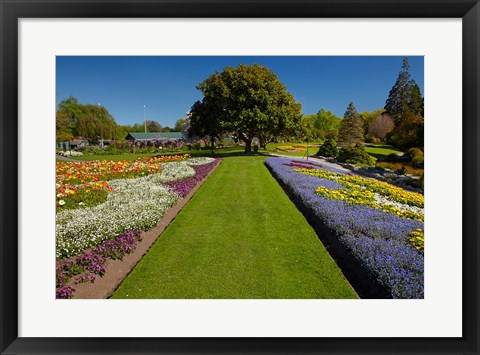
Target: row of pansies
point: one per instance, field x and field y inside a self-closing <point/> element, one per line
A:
<point x="380" y="225"/>
<point x="113" y="228"/>
<point x="92" y="264"/>
<point x="130" y="204"/>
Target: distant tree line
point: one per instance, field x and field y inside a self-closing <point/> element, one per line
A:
<point x="249" y="101"/>
<point x="95" y="123"/>
<point x="92" y="122"/>
<point x="399" y="123"/>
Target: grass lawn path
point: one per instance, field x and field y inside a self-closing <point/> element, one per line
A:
<point x="238" y="237"/>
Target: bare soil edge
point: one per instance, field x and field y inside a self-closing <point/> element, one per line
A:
<point x="366" y="286"/>
<point x="117" y="270"/>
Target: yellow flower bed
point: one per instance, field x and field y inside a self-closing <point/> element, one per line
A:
<point x="356" y="196"/>
<point x="361" y="191"/>
<point x="291" y="148"/>
<point x="416" y="238"/>
<point x="395" y="193"/>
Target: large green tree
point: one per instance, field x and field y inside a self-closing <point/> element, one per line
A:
<point x="351" y="127"/>
<point x="204" y="122"/>
<point x="405" y="106"/>
<point x="410" y="132"/>
<point x="73" y="109"/>
<point x="153" y="126"/>
<point x="327" y="123"/>
<point x="103" y="123"/>
<point x="92" y="122"/>
<point x="63" y="127"/>
<point x="404" y="96"/>
<point x="179" y="125"/>
<point x="251" y="101"/>
<point x="321" y="125"/>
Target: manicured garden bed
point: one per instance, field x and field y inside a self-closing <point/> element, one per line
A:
<point x="374" y="230"/>
<point x="135" y="196"/>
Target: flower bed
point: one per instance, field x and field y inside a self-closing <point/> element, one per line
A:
<point x="290" y="148"/>
<point x="87" y="171"/>
<point x="113" y="229"/>
<point x="89" y="265"/>
<point x="86" y="178"/>
<point x="357" y="212"/>
<point x="131" y="203"/>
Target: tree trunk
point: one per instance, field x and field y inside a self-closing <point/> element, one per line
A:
<point x="248" y="146"/>
<point x="212" y="146"/>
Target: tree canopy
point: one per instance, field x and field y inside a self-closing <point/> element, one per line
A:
<point x="321" y="125"/>
<point x="248" y="100"/>
<point x="92" y="122"/>
<point x="179" y="125"/>
<point x="405" y="105"/>
<point x="351" y="127"/>
<point x="404" y="96"/>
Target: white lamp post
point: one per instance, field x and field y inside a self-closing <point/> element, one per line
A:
<point x="145" y="117"/>
<point x="101" y="129"/>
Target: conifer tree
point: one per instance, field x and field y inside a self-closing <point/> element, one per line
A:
<point x="405" y="106"/>
<point x="415" y="99"/>
<point x="404" y="96"/>
<point x="351" y="127"/>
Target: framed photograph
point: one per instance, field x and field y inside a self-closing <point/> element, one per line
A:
<point x="73" y="59"/>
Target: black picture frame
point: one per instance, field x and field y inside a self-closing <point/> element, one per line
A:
<point x="11" y="11"/>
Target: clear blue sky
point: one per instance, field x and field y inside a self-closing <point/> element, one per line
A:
<point x="167" y="84"/>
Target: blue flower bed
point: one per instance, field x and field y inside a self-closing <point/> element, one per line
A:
<point x="377" y="240"/>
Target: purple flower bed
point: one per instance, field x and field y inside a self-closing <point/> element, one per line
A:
<point x="376" y="239"/>
<point x="91" y="264"/>
<point x="183" y="186"/>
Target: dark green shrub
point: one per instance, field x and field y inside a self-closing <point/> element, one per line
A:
<point x="402" y="170"/>
<point x="371" y="139"/>
<point x="415" y="156"/>
<point x="328" y="149"/>
<point x="417" y="162"/>
<point x="355" y="155"/>
<point x="414" y="152"/>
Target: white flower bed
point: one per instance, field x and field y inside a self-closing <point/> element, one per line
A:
<point x="380" y="199"/>
<point x="134" y="203"/>
<point x="200" y="161"/>
<point x="171" y="172"/>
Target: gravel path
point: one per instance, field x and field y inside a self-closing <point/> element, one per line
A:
<point x="318" y="160"/>
<point x="62" y="158"/>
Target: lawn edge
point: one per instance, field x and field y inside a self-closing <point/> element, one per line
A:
<point x="118" y="270"/>
<point x="364" y="284"/>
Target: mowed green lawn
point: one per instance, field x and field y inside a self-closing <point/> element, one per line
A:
<point x="238" y="237"/>
<point x="381" y="151"/>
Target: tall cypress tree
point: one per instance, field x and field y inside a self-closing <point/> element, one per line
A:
<point x="351" y="127"/>
<point x="398" y="98"/>
<point x="405" y="106"/>
<point x="415" y="99"/>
